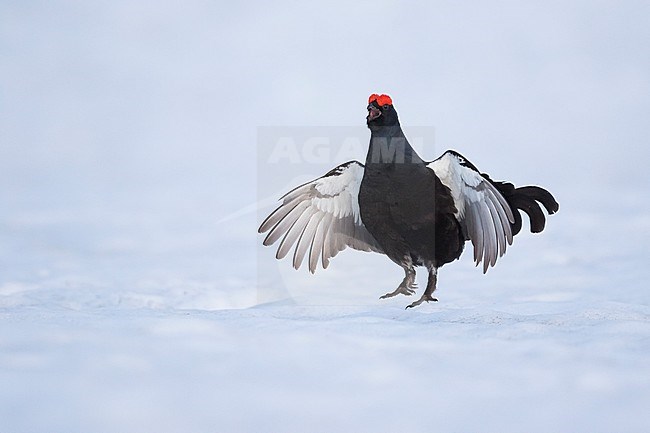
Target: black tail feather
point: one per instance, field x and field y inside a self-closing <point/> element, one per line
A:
<point x="542" y="196"/>
<point x="526" y="198"/>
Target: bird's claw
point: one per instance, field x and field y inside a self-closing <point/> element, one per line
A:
<point x="425" y="297"/>
<point x="401" y="290"/>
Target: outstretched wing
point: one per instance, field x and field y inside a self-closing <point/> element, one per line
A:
<point x="321" y="216"/>
<point x="482" y="211"/>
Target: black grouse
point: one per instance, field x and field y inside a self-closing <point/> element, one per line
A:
<point x="417" y="213"/>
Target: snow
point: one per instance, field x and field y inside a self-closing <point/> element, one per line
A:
<point x="135" y="294"/>
<point x="509" y="363"/>
<point x="109" y="339"/>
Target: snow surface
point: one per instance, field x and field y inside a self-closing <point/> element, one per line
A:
<point x="135" y="295"/>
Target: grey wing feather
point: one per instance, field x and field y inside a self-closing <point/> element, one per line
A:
<point x="321" y="218"/>
<point x="484" y="214"/>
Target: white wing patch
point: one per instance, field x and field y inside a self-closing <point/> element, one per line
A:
<point x="481" y="209"/>
<point x="321" y="216"/>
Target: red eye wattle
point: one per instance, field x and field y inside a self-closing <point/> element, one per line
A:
<point x="381" y="99"/>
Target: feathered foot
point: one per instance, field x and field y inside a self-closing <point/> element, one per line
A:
<point x="407" y="286"/>
<point x="431" y="287"/>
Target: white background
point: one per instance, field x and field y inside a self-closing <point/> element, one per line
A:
<point x="132" y="284"/>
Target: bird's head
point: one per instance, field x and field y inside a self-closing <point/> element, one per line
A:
<point x="381" y="111"/>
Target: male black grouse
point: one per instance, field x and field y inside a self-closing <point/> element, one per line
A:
<point x="418" y="213"/>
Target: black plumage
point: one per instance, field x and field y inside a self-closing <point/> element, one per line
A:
<point x="415" y="212"/>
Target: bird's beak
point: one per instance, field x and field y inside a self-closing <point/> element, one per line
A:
<point x="373" y="112"/>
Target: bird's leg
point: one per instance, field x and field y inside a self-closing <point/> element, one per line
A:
<point x="408" y="284"/>
<point x="431" y="287"/>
